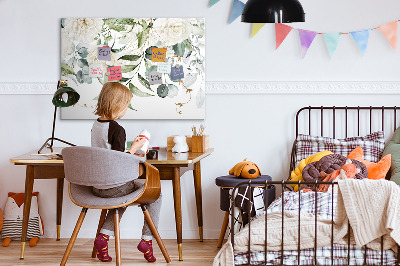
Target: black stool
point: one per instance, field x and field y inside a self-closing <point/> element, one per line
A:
<point x="226" y="183"/>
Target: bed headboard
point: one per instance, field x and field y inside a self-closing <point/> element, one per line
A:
<point x="344" y="121"/>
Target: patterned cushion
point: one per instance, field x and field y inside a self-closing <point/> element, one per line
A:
<point x="372" y="144"/>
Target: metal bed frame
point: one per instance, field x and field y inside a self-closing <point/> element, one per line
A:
<point x="283" y="184"/>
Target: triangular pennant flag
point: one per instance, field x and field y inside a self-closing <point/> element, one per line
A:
<point x="332" y="41"/>
<point x="361" y="37"/>
<point x="281" y="31"/>
<point x="237" y="9"/>
<point x="256" y="28"/>
<point x="306" y="39"/>
<point x="213" y="2"/>
<point x="390" y="32"/>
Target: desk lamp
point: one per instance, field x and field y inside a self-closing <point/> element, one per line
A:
<point x="273" y="11"/>
<point x="63" y="97"/>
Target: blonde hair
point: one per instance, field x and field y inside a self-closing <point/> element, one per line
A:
<point x="112" y="99"/>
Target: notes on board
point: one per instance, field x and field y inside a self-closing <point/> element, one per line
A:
<point x="162" y="67"/>
<point x="115" y="73"/>
<point x="104" y="53"/>
<point x="95" y="70"/>
<point x="158" y="54"/>
<point x="177" y="72"/>
<point x="155" y="78"/>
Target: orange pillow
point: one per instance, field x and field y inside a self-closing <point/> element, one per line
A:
<point x="375" y="170"/>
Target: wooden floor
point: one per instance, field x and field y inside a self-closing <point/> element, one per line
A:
<point x="50" y="252"/>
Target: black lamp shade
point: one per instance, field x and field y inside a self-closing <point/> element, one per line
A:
<point x="273" y="11"/>
<point x="73" y="97"/>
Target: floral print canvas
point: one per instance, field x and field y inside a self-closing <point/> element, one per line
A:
<point x="160" y="60"/>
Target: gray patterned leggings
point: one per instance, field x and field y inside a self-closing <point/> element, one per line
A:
<point x="154" y="208"/>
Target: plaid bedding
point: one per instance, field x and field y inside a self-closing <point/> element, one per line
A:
<point x="322" y="207"/>
<point x="372" y="145"/>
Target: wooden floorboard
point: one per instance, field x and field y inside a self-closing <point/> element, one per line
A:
<point x="50" y="252"/>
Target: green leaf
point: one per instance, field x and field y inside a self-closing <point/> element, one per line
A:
<point x="144" y="82"/>
<point x="130" y="107"/>
<point x="188" y="44"/>
<point x="197" y="30"/>
<point x="128" y="68"/>
<point x="118" y="50"/>
<point x="130" y="57"/>
<point x="179" y="49"/>
<point x="82" y="63"/>
<point x="125" y="21"/>
<point x="138" y="92"/>
<point x="67" y="69"/>
<point x="122" y="80"/>
<point x="142" y="37"/>
<point x="96" y="98"/>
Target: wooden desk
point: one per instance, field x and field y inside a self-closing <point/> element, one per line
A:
<point x="171" y="167"/>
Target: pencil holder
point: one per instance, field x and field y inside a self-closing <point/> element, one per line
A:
<point x="200" y="143"/>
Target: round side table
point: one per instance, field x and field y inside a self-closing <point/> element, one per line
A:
<point x="228" y="182"/>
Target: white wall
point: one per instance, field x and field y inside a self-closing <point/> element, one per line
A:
<point x="259" y="127"/>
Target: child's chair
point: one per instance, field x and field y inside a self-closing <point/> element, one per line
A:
<point x="85" y="167"/>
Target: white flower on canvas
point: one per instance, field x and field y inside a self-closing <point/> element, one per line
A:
<point x="67" y="46"/>
<point x="83" y="29"/>
<point x="172" y="30"/>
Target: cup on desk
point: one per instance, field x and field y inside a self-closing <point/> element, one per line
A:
<point x="152" y="155"/>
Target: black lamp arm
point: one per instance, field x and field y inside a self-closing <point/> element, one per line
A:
<point x="46" y="143"/>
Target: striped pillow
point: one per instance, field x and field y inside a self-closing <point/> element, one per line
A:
<point x="372" y="145"/>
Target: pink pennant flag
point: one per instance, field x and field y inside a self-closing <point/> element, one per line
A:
<point x="281" y="31"/>
<point x="389" y="30"/>
<point x="306" y="39"/>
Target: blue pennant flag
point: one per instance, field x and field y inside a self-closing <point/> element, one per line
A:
<point x="361" y="37"/>
<point x="332" y="41"/>
<point x="237" y="9"/>
<point x="213" y="2"/>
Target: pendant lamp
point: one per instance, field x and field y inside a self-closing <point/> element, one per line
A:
<point x="63" y="97"/>
<point x="273" y="11"/>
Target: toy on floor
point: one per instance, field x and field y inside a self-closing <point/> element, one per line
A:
<point x="13" y="215"/>
<point x="245" y="169"/>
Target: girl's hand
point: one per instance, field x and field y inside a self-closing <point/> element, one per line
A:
<point x="137" y="144"/>
<point x="142" y="155"/>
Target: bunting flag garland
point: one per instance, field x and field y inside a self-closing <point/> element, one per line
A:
<point x="332" y="41"/>
<point x="306" y="39"/>
<point x="213" y="2"/>
<point x="237" y="9"/>
<point x="389" y="30"/>
<point x="281" y="31"/>
<point x="256" y="28"/>
<point x="361" y="37"/>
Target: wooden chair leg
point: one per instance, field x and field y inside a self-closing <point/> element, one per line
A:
<point x="223" y="229"/>
<point x="101" y="222"/>
<point x="73" y="237"/>
<point x="117" y="238"/>
<point x="154" y="230"/>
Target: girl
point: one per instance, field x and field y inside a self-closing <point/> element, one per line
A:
<point x="106" y="133"/>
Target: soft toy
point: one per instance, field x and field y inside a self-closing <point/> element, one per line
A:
<point x="1" y="219"/>
<point x="375" y="170"/>
<point x="13" y="215"/>
<point x="296" y="174"/>
<point x="245" y="169"/>
<point x="180" y="144"/>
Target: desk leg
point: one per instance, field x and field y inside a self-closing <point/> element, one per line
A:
<point x="60" y="190"/>
<point x="199" y="204"/>
<point x="176" y="182"/>
<point x="27" y="206"/>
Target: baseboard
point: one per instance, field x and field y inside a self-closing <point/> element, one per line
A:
<point x="249" y="87"/>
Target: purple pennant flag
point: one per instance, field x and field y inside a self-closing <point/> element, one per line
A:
<point x="306" y="39"/>
<point x="237" y="9"/>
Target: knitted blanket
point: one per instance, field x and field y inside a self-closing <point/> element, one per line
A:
<point x="371" y="206"/>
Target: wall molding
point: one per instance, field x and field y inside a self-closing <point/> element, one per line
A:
<point x="251" y="87"/>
